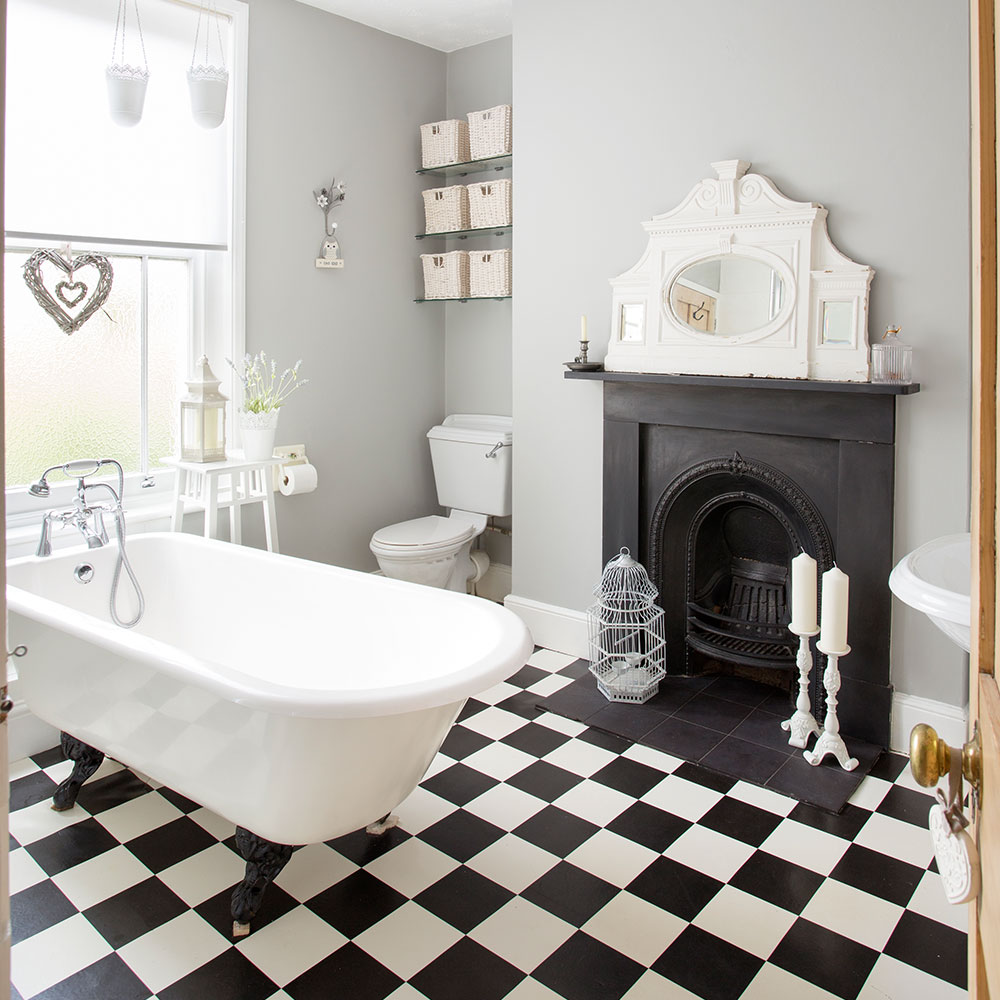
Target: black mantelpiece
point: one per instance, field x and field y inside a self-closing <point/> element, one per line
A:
<point x="835" y="440"/>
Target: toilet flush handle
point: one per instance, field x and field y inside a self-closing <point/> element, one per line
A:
<point x="492" y="452"/>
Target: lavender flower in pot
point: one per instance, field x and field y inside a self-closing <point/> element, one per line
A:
<point x="264" y="392"/>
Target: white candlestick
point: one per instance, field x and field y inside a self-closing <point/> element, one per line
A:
<point x="583" y="329"/>
<point x="833" y="638"/>
<point x="803" y="594"/>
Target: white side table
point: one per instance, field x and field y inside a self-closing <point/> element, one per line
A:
<point x="198" y="487"/>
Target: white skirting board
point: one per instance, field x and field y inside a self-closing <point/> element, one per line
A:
<point x="949" y="721"/>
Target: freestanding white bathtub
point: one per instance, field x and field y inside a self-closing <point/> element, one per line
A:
<point x="298" y="700"/>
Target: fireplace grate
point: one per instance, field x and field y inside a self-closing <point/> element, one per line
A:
<point x="735" y="640"/>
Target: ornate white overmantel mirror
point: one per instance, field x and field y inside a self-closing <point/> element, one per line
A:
<point x="740" y="280"/>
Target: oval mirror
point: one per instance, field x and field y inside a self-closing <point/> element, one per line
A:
<point x="726" y="295"/>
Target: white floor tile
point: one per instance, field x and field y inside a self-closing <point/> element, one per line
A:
<point x="138" y="816"/>
<point x="894" y="979"/>
<point x="101" y="878"/>
<point x="870" y="793"/>
<point x="200" y="877"/>
<point x="405" y="992"/>
<point x="613" y="858"/>
<point x="634" y="927"/>
<point x="686" y="799"/>
<point x="24" y="871"/>
<point x="441" y="762"/>
<point x="593" y="801"/>
<point x="569" y="727"/>
<point x="221" y="829"/>
<point x="49" y="957"/>
<point x="171" y="951"/>
<point x="857" y="915"/>
<point x="549" y="659"/>
<point x="291" y="944"/>
<point x="421" y="809"/>
<point x="505" y="806"/>
<point x="772" y="983"/>
<point x="40" y="820"/>
<point x="412" y="867"/>
<point x="513" y="862"/>
<point x="22" y="768"/>
<point x="548" y="686"/>
<point x="495" y="723"/>
<point x="408" y="939"/>
<point x="763" y="798"/>
<point x="930" y="901"/>
<point x="744" y="920"/>
<point x="522" y="933"/>
<point x="651" y="986"/>
<point x="313" y="869"/>
<point x="497" y="693"/>
<point x="906" y="780"/>
<point x="898" y="839"/>
<point x="531" y="989"/>
<point x="709" y="852"/>
<point x="499" y="761"/>
<point x="664" y="762"/>
<point x="803" y="845"/>
<point x="580" y="758"/>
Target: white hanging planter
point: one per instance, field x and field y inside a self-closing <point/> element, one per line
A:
<point x="209" y="86"/>
<point x="126" y="83"/>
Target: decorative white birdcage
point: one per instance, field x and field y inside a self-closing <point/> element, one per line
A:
<point x="626" y="633"/>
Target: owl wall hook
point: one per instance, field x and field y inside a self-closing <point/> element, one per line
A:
<point x="328" y="198"/>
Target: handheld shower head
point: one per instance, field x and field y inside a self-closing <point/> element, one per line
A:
<point x="39" y="489"/>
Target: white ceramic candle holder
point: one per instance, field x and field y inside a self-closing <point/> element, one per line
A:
<point x="830" y="740"/>
<point x="802" y="724"/>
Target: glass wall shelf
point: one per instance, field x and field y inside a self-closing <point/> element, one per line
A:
<point x="464" y="234"/>
<point x="470" y="298"/>
<point x="470" y="167"/>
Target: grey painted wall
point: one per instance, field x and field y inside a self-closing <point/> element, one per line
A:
<point x="330" y="96"/>
<point x="862" y="107"/>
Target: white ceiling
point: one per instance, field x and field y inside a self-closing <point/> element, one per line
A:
<point x="441" y="24"/>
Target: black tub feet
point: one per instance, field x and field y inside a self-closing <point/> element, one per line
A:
<point x="265" y="860"/>
<point x="86" y="760"/>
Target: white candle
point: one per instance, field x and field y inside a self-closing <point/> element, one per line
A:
<point x="583" y="330"/>
<point x="803" y="594"/>
<point x="834" y="617"/>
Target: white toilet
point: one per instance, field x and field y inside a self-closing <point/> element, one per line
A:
<point x="471" y="455"/>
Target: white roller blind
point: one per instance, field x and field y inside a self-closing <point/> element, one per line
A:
<point x="70" y="169"/>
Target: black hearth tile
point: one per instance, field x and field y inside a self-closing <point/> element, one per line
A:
<point x="645" y="824"/>
<point x="230" y="976"/>
<point x="348" y="974"/>
<point x="675" y="692"/>
<point x="109" y="979"/>
<point x="907" y="805"/>
<point x="133" y="912"/>
<point x="48" y="757"/>
<point x="464" y="898"/>
<point x="740" y="821"/>
<point x="37" y="908"/>
<point x="675" y="888"/>
<point x="824" y="958"/>
<point x="739" y="689"/>
<point x="866" y="753"/>
<point x="178" y="801"/>
<point x="536" y="740"/>
<point x="847" y="823"/>
<point x="826" y="785"/>
<point x="461" y="742"/>
<point x="682" y="739"/>
<point x="461" y="835"/>
<point x="889" y="765"/>
<point x="937" y="949"/>
<point x="570" y="893"/>
<point x="72" y="846"/>
<point x="459" y="784"/>
<point x="526" y="704"/>
<point x="600" y="738"/>
<point x="363" y="848"/>
<point x="585" y="969"/>
<point x="527" y="676"/>
<point x="465" y="970"/>
<point x="171" y="843"/>
<point x="743" y="760"/>
<point x="713" y="713"/>
<point x="556" y="831"/>
<point x="35" y="787"/>
<point x="629" y="721"/>
<point x="354" y="903"/>
<point x="628" y="776"/>
<point x="578" y="700"/>
<point x="576" y="669"/>
<point x="765" y="730"/>
<point x="544" y="780"/>
<point x="97" y="796"/>
<point x="779" y="703"/>
<point x="703" y="776"/>
<point x="217" y="910"/>
<point x="877" y="873"/>
<point x="707" y="966"/>
<point x="471" y="708"/>
<point x="777" y="881"/>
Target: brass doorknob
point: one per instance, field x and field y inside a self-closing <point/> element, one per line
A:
<point x="930" y="757"/>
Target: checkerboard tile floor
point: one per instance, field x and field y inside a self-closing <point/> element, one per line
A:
<point x="539" y="859"/>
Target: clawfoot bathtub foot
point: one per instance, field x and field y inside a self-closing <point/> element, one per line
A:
<point x="386" y="823"/>
<point x="86" y="760"/>
<point x="265" y="860"/>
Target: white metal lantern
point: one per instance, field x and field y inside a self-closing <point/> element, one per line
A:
<point x="203" y="417"/>
<point x="626" y="633"/>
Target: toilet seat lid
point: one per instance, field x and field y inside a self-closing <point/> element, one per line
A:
<point x="424" y="532"/>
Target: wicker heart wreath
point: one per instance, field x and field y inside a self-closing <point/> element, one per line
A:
<point x="71" y="292"/>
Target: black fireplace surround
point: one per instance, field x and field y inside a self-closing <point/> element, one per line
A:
<point x="716" y="483"/>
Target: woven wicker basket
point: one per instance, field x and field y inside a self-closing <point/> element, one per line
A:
<point x="446" y="275"/>
<point x="446" y="209"/>
<point x="489" y="132"/>
<point x="489" y="273"/>
<point x="442" y="143"/>
<point x="489" y="204"/>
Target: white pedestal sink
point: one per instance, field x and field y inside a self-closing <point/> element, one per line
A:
<point x="935" y="579"/>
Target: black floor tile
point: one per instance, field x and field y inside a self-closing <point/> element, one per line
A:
<point x="459" y="784"/>
<point x="108" y="979"/>
<point x="527" y="676"/>
<point x="602" y="738"/>
<point x="353" y="904"/>
<point x="171" y="843"/>
<point x="628" y="776"/>
<point x="740" y="821"/>
<point x="777" y="881"/>
<point x="629" y="721"/>
<point x="71" y="846"/>
<point x="544" y="780"/>
<point x="645" y="824"/>
<point x="348" y="974"/>
<point x="524" y="703"/>
<point x="747" y="761"/>
<point x="676" y="888"/>
<point x="37" y="908"/>
<point x="96" y="796"/>
<point x="707" y="966"/>
<point x="133" y="912"/>
<point x="231" y="976"/>
<point x="556" y="831"/>
<point x="30" y="789"/>
<point x="217" y="909"/>
<point x="682" y="739"/>
<point x="765" y="730"/>
<point x="471" y="708"/>
<point x="362" y="848"/>
<point x="536" y="740"/>
<point x="847" y="823"/>
<point x="464" y="898"/>
<point x="465" y="970"/>
<point x="461" y="742"/>
<point x="570" y="893"/>
<point x="181" y="802"/>
<point x="907" y="805"/>
<point x="828" y="960"/>
<point x="48" y="757"/>
<point x="585" y="969"/>
<point x="703" y="776"/>
<point x="461" y="835"/>
<point x="935" y="948"/>
<point x="577" y="701"/>
<point x="878" y="874"/>
<point x="889" y="766"/>
<point x="713" y="713"/>
<point x="576" y="670"/>
<point x="826" y="785"/>
<point x="739" y="689"/>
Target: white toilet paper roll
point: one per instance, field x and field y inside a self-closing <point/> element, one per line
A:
<point x="297" y="479"/>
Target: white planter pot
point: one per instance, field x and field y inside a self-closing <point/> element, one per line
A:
<point x="208" y="86"/>
<point x="126" y="93"/>
<point x="257" y="432"/>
